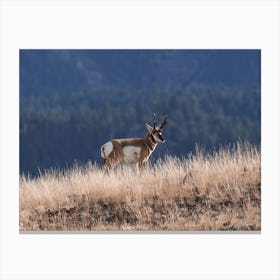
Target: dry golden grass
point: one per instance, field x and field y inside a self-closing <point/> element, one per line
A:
<point x="221" y="191"/>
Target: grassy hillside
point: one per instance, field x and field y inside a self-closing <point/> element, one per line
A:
<point x="221" y="191"/>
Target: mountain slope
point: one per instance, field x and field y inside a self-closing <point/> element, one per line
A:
<point x="66" y="71"/>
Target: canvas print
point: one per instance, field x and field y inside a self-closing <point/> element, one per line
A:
<point x="141" y="140"/>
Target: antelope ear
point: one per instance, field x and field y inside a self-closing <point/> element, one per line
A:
<point x="149" y="128"/>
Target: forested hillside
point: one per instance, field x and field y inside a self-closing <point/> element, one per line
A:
<point x="70" y="71"/>
<point x="71" y="102"/>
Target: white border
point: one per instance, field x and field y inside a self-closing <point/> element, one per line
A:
<point x="146" y="24"/>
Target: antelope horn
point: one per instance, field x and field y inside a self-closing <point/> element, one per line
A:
<point x="154" y="121"/>
<point x="164" y="122"/>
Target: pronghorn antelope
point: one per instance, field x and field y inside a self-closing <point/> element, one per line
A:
<point x="132" y="150"/>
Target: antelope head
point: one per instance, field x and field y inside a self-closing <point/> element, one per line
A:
<point x="156" y="131"/>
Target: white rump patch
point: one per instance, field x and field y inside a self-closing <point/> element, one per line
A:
<point x="106" y="149"/>
<point x="131" y="154"/>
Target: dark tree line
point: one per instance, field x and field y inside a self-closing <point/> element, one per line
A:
<point x="57" y="130"/>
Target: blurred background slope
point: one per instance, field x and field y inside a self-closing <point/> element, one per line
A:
<point x="72" y="101"/>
